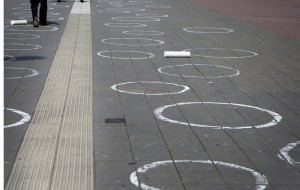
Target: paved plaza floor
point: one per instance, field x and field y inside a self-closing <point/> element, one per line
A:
<point x="90" y="101"/>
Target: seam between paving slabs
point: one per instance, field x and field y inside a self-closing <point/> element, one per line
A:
<point x="57" y="149"/>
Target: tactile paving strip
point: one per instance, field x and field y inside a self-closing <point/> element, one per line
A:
<point x="57" y="151"/>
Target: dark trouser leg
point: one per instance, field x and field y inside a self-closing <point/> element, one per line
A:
<point x="43" y="12"/>
<point x="34" y="8"/>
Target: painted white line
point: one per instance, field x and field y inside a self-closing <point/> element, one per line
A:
<point x="142" y="32"/>
<point x="159" y="6"/>
<point x="152" y="15"/>
<point x="30" y="28"/>
<point x="276" y="118"/>
<point x="33" y="73"/>
<point x="115" y="87"/>
<point x="25" y="119"/>
<point x="20" y="36"/>
<point x="237" y="72"/>
<point x="9" y="58"/>
<point x="208" y="51"/>
<point x="133" y="41"/>
<point x="260" y="180"/>
<point x="285" y="153"/>
<point x="148" y="55"/>
<point x="211" y="30"/>
<point x="30" y="46"/>
<point x="135" y="19"/>
<point x="125" y="25"/>
<point x="28" y="17"/>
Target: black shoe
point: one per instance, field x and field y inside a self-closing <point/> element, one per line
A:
<point x="81" y="1"/>
<point x="43" y="23"/>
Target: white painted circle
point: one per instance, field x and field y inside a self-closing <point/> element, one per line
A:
<point x="159" y="6"/>
<point x="111" y="11"/>
<point x="142" y="32"/>
<point x="285" y="153"/>
<point x="125" y="9"/>
<point x="148" y="55"/>
<point x="140" y="1"/>
<point x="158" y="112"/>
<point x="49" y="18"/>
<point x="29" y="13"/>
<point x="33" y="73"/>
<point x="211" y="30"/>
<point x="60" y="6"/>
<point x="237" y="72"/>
<point x="25" y="119"/>
<point x="21" y="8"/>
<point x="24" y="47"/>
<point x="30" y="28"/>
<point x="115" y="87"/>
<point x="261" y="180"/>
<point x="132" y="41"/>
<point x="135" y="19"/>
<point x="210" y="51"/>
<point x="20" y="36"/>
<point x="152" y="15"/>
<point x="9" y="58"/>
<point x="128" y="25"/>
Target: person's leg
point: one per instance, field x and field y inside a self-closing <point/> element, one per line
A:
<point x="43" y="12"/>
<point x="34" y="11"/>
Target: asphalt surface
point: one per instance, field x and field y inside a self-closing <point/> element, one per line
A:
<point x="225" y="118"/>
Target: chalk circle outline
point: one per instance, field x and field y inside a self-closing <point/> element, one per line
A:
<point x="29" y="13"/>
<point x="141" y="1"/>
<point x="185" y="88"/>
<point x="143" y="32"/>
<point x="284" y="153"/>
<point x="152" y="15"/>
<point x="151" y="55"/>
<point x="25" y="34"/>
<point x="158" y="6"/>
<point x="34" y="73"/>
<point x="237" y="72"/>
<point x="252" y="54"/>
<point x="19" y="44"/>
<point x="49" y="18"/>
<point x="11" y="58"/>
<point x="125" y="9"/>
<point x="225" y="30"/>
<point x="60" y="6"/>
<point x="135" y="19"/>
<point x="145" y="39"/>
<point x="126" y="25"/>
<point x="261" y="180"/>
<point x="40" y="29"/>
<point x="25" y="119"/>
<point x="109" y="11"/>
<point x="276" y="117"/>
